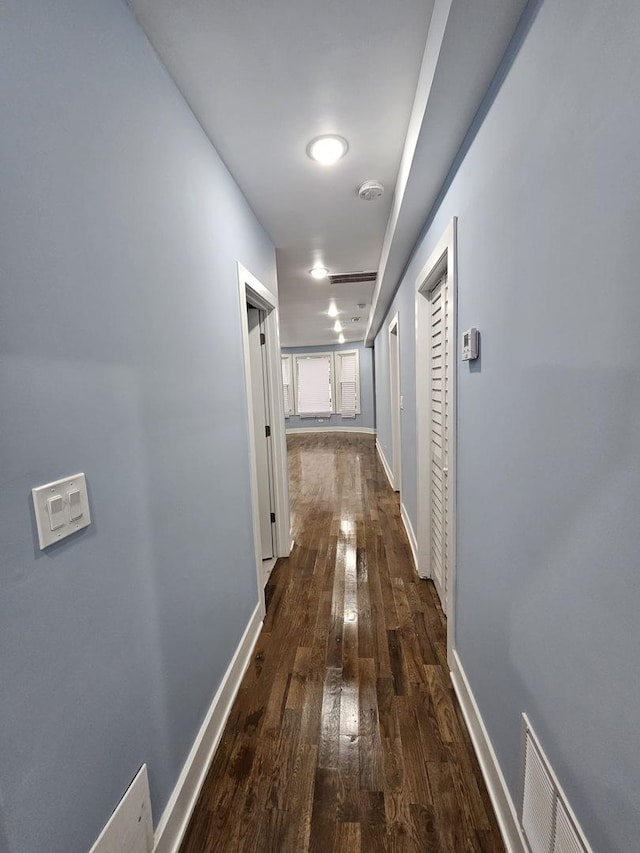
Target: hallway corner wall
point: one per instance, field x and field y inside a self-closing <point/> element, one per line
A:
<point x="119" y="235"/>
<point x="548" y="473"/>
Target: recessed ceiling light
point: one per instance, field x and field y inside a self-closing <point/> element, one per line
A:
<point x="340" y="339"/>
<point x="361" y="305"/>
<point x="333" y="311"/>
<point x="337" y="326"/>
<point x="328" y="149"/>
<point x="355" y="319"/>
<point x="319" y="272"/>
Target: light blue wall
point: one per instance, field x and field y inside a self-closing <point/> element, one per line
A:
<point x="119" y="232"/>
<point x="548" y="587"/>
<point x="366" y="418"/>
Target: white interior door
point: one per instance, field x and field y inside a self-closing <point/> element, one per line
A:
<point x="261" y="428"/>
<point x="439" y="387"/>
<point x="394" y="382"/>
<point x="436" y="330"/>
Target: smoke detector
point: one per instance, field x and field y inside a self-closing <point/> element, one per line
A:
<point x="370" y="190"/>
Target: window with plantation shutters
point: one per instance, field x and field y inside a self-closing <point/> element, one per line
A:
<point x="287" y="387"/>
<point x="347" y="368"/>
<point x="314" y="385"/>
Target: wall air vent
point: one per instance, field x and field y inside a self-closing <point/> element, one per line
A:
<point x="547" y="821"/>
<point x="538" y="803"/>
<point x="353" y="278"/>
<point x="566" y="839"/>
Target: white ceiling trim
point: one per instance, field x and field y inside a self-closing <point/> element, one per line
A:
<point x="435" y="38"/>
<point x="465" y="44"/>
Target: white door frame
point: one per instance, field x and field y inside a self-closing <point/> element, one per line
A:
<point x="252" y="291"/>
<point x="394" y="391"/>
<point x="264" y="450"/>
<point x="442" y="260"/>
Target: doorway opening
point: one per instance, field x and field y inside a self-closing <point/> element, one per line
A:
<point x="436" y="329"/>
<point x="265" y="419"/>
<point x="262" y="430"/>
<point x="396" y="404"/>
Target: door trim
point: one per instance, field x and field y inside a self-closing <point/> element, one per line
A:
<point x="260" y="398"/>
<point x="252" y="291"/>
<point x="442" y="260"/>
<point x="396" y="420"/>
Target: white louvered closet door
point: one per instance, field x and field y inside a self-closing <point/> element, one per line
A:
<point x="439" y="368"/>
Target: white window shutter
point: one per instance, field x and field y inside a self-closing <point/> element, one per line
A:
<point x="314" y="385"/>
<point x="286" y="384"/>
<point x="348" y="384"/>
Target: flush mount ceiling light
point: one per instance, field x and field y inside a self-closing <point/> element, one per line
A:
<point x="319" y="272"/>
<point x="333" y="311"/>
<point x="340" y="339"/>
<point x="327" y="149"/>
<point x="337" y="326"/>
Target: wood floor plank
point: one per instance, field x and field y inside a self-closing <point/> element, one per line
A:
<point x="299" y="676"/>
<point x="452" y="833"/>
<point x="329" y="755"/>
<point x="299" y="805"/>
<point x="371" y="769"/>
<point x="311" y="712"/>
<point x="416" y="783"/>
<point x="393" y="764"/>
<point x="373" y="822"/>
<point x="423" y="822"/>
<point x="345" y="734"/>
<point x="347" y="837"/>
<point x="365" y="629"/>
<point x="323" y="816"/>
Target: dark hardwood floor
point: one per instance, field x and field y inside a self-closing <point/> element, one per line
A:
<point x="345" y="734"/>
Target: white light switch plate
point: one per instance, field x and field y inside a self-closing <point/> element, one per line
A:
<point x="55" y="523"/>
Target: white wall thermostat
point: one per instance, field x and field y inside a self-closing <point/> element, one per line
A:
<point x="470" y="345"/>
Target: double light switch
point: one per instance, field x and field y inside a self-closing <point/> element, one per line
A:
<point x="61" y="508"/>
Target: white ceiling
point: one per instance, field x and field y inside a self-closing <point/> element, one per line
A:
<point x="401" y="81"/>
<point x="264" y="78"/>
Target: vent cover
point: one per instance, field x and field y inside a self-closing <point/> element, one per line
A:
<point x="547" y="820"/>
<point x="538" y="801"/>
<point x="353" y="278"/>
<point x="566" y="838"/>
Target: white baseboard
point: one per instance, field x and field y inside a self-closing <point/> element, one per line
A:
<point x="175" y="818"/>
<point x="496" y="785"/>
<point x="411" y="536"/>
<point x="385" y="464"/>
<point x="302" y="430"/>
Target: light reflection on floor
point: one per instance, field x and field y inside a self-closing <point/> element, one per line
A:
<point x="340" y="718"/>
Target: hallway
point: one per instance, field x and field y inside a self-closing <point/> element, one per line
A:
<point x="345" y="734"/>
